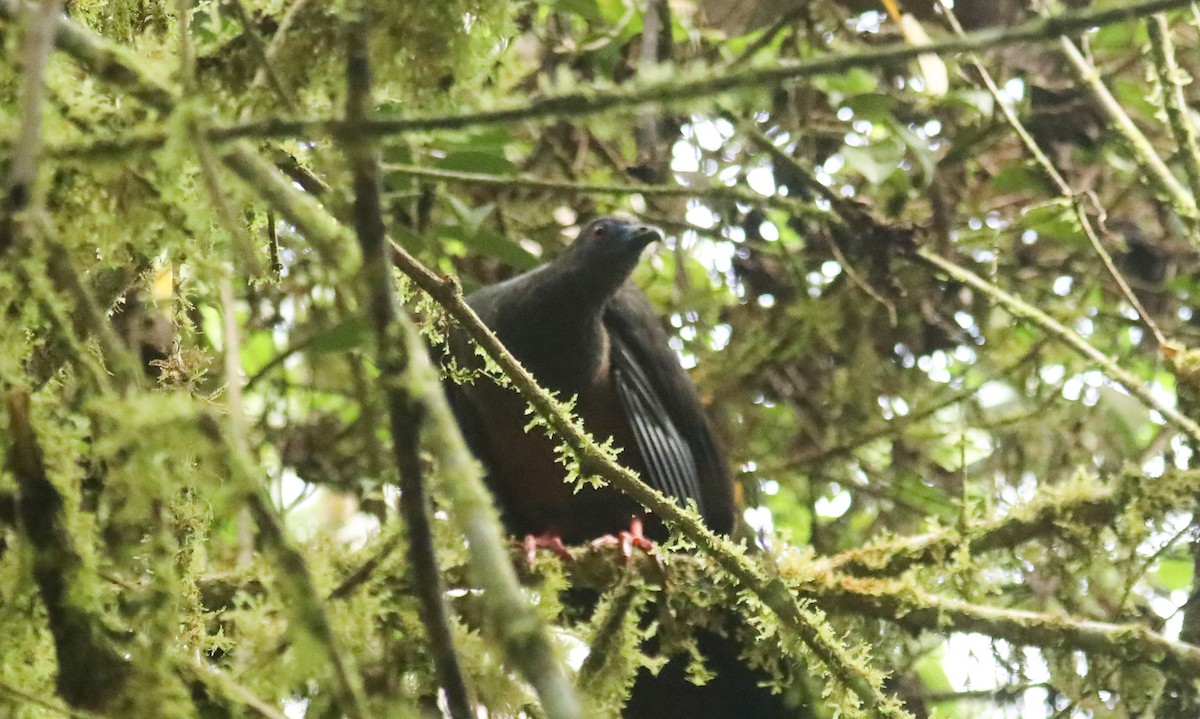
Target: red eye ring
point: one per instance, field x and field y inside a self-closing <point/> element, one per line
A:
<point x="598" y="232"/>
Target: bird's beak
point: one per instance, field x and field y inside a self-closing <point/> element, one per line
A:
<point x="640" y="235"/>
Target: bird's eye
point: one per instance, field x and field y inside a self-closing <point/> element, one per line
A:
<point x="598" y="232"/>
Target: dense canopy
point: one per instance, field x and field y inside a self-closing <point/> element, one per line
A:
<point x="931" y="269"/>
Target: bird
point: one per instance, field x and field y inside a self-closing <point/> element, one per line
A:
<point x="584" y="331"/>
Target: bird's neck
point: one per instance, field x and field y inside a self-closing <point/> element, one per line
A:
<point x="564" y="342"/>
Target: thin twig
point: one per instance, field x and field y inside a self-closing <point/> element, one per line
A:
<point x="208" y="166"/>
<point x="1072" y="339"/>
<point x="266" y="68"/>
<point x="1072" y="197"/>
<point x="1145" y="155"/>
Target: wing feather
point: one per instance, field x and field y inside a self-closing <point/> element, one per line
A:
<point x="670" y="464"/>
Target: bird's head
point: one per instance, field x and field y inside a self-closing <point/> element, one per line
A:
<point x="613" y="240"/>
<point x="603" y="256"/>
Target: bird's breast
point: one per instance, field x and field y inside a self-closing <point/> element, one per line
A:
<point x="525" y="473"/>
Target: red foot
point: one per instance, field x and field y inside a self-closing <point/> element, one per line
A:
<point x="627" y="540"/>
<point x="549" y="540"/>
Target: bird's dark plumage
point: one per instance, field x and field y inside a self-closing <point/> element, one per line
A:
<point x="583" y="331"/>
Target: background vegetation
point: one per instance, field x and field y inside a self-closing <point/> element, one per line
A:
<point x="935" y="276"/>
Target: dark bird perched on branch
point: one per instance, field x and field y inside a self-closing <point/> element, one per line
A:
<point x="584" y="331"/>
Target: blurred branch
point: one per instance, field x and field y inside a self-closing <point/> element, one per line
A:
<point x="1170" y="80"/>
<point x="1152" y="164"/>
<point x="1023" y="310"/>
<point x="405" y="410"/>
<point x="88" y="317"/>
<point x="92" y="672"/>
<point x="28" y="699"/>
<point x="37" y="41"/>
<point x="732" y="193"/>
<point x="308" y="612"/>
<point x="264" y="54"/>
<point x="213" y="679"/>
<point x="595" y="100"/>
<point x="108" y="287"/>
<point x="1075" y="199"/>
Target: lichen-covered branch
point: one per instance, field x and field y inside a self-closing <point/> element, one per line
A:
<point x="1145" y="155"/>
<point x="393" y="361"/>
<point x="916" y="609"/>
<point x="92" y="673"/>
<point x="595" y="100"/>
<point x="1067" y="336"/>
<point x="1171" y="80"/>
<point x="1071" y="505"/>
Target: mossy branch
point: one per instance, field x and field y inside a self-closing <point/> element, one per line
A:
<point x="393" y="361"/>
<point x="1070" y="505"/>
<point x="92" y="673"/>
<point x="308" y="611"/>
<point x="1147" y="158"/>
<point x="37" y="41"/>
<point x="902" y="603"/>
<point x="907" y="606"/>
<point x="594" y="100"/>
<point x="1025" y="311"/>
<point x="1171" y="80"/>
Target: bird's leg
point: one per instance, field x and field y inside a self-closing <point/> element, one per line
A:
<point x="546" y="540"/>
<point x="627" y="540"/>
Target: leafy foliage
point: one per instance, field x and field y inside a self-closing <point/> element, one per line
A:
<point x="966" y="501"/>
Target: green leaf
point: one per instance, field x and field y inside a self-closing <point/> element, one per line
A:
<point x="1018" y="177"/>
<point x="876" y="162"/>
<point x="1174" y="574"/>
<point x="930" y="668"/>
<point x="918" y="148"/>
<point x="588" y="9"/>
<point x="347" y="335"/>
<point x="494" y="244"/>
<point x="490" y="163"/>
<point x="873" y="106"/>
<point x="257" y="350"/>
<point x="912" y="490"/>
<point x="855" y="82"/>
<point x="1134" y="97"/>
<point x="1054" y="219"/>
<point x="469" y="219"/>
<point x="979" y="100"/>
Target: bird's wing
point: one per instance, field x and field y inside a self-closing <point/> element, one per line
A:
<point x="670" y="465"/>
<point x="661" y="405"/>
